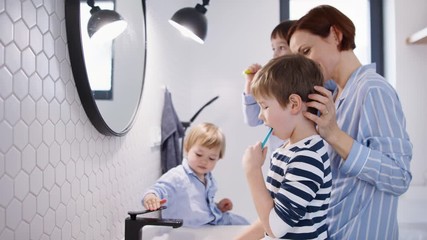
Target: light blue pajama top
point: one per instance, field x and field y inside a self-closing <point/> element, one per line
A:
<point x="367" y="185"/>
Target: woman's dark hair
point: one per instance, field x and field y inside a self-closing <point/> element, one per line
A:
<point x="319" y="20"/>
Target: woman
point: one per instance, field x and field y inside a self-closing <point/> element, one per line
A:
<point x="364" y="125"/>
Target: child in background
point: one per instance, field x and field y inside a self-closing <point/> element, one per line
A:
<point x="190" y="187"/>
<point x="251" y="109"/>
<point x="293" y="201"/>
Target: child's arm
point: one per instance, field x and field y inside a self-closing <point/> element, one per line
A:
<point x="254" y="232"/>
<point x="253" y="160"/>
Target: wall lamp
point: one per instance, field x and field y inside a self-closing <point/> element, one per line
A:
<point x="104" y="24"/>
<point x="192" y="22"/>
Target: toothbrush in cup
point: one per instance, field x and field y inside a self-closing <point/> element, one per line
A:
<point x="266" y="138"/>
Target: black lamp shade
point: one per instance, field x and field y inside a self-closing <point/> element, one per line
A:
<point x="191" y="22"/>
<point x="105" y="23"/>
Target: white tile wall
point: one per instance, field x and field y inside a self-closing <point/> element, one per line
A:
<point x="59" y="178"/>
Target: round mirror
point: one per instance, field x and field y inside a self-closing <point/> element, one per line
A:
<point x="109" y="74"/>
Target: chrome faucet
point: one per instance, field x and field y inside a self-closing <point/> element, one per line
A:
<point x="134" y="224"/>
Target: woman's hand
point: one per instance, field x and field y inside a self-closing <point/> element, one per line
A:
<point x="254" y="157"/>
<point x="326" y="120"/>
<point x="249" y="75"/>
<point x="225" y="205"/>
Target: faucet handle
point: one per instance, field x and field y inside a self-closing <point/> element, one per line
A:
<point x="133" y="214"/>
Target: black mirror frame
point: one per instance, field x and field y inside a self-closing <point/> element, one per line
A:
<point x="77" y="61"/>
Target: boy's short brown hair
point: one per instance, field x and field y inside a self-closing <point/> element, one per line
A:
<point x="286" y="75"/>
<point x="207" y="135"/>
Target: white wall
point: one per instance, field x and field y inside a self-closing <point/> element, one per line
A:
<point x="61" y="179"/>
<point x="406" y="68"/>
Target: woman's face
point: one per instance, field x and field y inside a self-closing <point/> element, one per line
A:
<point x="324" y="51"/>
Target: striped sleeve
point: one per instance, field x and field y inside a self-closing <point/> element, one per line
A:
<point x="382" y="151"/>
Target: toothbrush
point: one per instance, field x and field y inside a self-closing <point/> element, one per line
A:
<point x="266" y="138"/>
<point x="247" y="71"/>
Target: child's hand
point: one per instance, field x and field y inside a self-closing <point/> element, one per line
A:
<point x="152" y="202"/>
<point x="254" y="157"/>
<point x="225" y="205"/>
<point x="249" y="75"/>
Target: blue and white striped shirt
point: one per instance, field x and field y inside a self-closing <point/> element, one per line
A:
<point x="366" y="186"/>
<point x="299" y="181"/>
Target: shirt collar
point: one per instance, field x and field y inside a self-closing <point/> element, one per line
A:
<point x="354" y="77"/>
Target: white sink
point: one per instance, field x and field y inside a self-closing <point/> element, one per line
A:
<point x="201" y="233"/>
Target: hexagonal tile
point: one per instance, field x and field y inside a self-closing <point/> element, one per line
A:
<point x="84" y="149"/>
<point x="75" y="150"/>
<point x="7" y="234"/>
<point x="75" y="227"/>
<point x="35" y="134"/>
<point x="55" y="26"/>
<point x="13" y="162"/>
<point x="54" y="111"/>
<point x="36" y="40"/>
<point x="60" y="132"/>
<point x="1" y="164"/>
<point x="59" y="10"/>
<point x="28" y="61"/>
<point x="70" y="131"/>
<point x="64" y="68"/>
<point x="35" y="86"/>
<point x="13" y="9"/>
<point x="56" y="233"/>
<point x="1" y="54"/>
<point x="48" y="132"/>
<point x="20" y="135"/>
<point x="59" y="91"/>
<point x="20" y="84"/>
<point x="60" y="49"/>
<point x="36" y="181"/>
<point x="84" y="185"/>
<point x="71" y="210"/>
<point x="6" y="186"/>
<point x="12" y="57"/>
<point x="6" y="27"/>
<point x="65" y="193"/>
<point x="11" y="107"/>
<point x="42" y="64"/>
<point x="48" y="45"/>
<point x="42" y="110"/>
<point x="49" y="6"/>
<point x="13" y="214"/>
<point x="48" y="177"/>
<point x="75" y="188"/>
<point x="6" y="83"/>
<point x="29" y="13"/>
<point x="65" y="112"/>
<point x="71" y="171"/>
<point x="48" y="88"/>
<point x="66" y="231"/>
<point x="54" y="154"/>
<point x="42" y="156"/>
<point x="60" y="215"/>
<point x="28" y="159"/>
<point x="60" y="174"/>
<point x="49" y="221"/>
<point x="29" y="206"/>
<point x="42" y="19"/>
<point x="22" y="185"/>
<point x="54" y="197"/>
<point x="65" y="152"/>
<point x="23" y="231"/>
<point x="36" y="227"/>
<point x="42" y="202"/>
<point x="21" y="35"/>
<point x="70" y="92"/>
<point x="28" y="110"/>
<point x="6" y="140"/>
